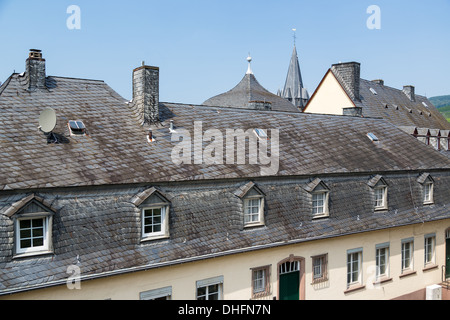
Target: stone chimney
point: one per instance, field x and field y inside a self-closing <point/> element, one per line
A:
<point x="348" y="75"/>
<point x="146" y="93"/>
<point x="35" y="69"/>
<point x="410" y="92"/>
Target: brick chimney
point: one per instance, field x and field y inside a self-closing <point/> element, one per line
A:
<point x="410" y="92"/>
<point x="348" y="74"/>
<point x="146" y="93"/>
<point x="35" y="69"/>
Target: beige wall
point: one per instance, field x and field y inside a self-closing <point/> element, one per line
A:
<point x="329" y="97"/>
<point x="237" y="274"/>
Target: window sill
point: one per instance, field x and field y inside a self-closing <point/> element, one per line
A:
<point x="320" y="216"/>
<point x="382" y="280"/>
<point x="253" y="225"/>
<point x="354" y="287"/>
<point x="378" y="209"/>
<point x="430" y="266"/>
<point x="151" y="238"/>
<point x="32" y="254"/>
<point x="319" y="280"/>
<point x="407" y="273"/>
<point x="428" y="203"/>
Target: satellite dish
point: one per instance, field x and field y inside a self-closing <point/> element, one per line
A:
<point x="47" y="119"/>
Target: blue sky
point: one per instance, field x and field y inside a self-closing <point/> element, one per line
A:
<point x="201" y="46"/>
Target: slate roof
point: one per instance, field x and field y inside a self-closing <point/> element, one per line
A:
<point x="394" y="106"/>
<point x="116" y="150"/>
<point x="97" y="227"/>
<point x="248" y="90"/>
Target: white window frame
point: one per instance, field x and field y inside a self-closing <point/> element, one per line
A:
<point x="410" y="257"/>
<point x="380" y="203"/>
<point x="354" y="266"/>
<point x="164" y="232"/>
<point x="157" y="294"/>
<point x="380" y="250"/>
<point x="248" y="201"/>
<point x="45" y="247"/>
<point x="320" y="211"/>
<point x="430" y="244"/>
<point x="428" y="189"/>
<point x="208" y="285"/>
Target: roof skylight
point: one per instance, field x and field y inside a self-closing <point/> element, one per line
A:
<point x="372" y="136"/>
<point x="77" y="127"/>
<point x="261" y="133"/>
<point x="373" y="91"/>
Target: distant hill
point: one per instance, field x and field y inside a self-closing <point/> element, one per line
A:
<point x="445" y="111"/>
<point x="440" y="101"/>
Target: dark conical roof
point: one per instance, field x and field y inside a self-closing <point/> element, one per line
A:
<point x="247" y="92"/>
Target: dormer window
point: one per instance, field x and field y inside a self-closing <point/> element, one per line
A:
<point x="319" y="203"/>
<point x="253" y="204"/>
<point x="32" y="226"/>
<point x="427" y="183"/>
<point x="380" y="197"/>
<point x="320" y="194"/>
<point x="253" y="211"/>
<point x="77" y="127"/>
<point x="154" y="213"/>
<point x="32" y="234"/>
<point x="380" y="192"/>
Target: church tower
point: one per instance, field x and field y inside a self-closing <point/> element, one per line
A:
<point x="293" y="87"/>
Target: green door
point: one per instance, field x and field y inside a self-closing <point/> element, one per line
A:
<point x="447" y="258"/>
<point x="289" y="286"/>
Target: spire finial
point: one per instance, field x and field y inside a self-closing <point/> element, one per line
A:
<point x="249" y="59"/>
<point x="295" y="35"/>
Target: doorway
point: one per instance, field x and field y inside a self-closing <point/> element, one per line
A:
<point x="290" y="278"/>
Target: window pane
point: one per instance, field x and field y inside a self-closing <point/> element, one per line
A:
<point x="31" y="233"/>
<point x="37" y="223"/>
<point x="25" y="243"/>
<point x="25" y="233"/>
<point x="25" y="224"/>
<point x="37" y="242"/>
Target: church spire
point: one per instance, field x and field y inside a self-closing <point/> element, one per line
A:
<point x="293" y="87"/>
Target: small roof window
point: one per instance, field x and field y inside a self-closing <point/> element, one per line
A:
<point x="77" y="127"/>
<point x="373" y="91"/>
<point x="372" y="136"/>
<point x="425" y="105"/>
<point x="261" y="133"/>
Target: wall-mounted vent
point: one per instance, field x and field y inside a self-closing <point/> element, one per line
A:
<point x="77" y="127"/>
